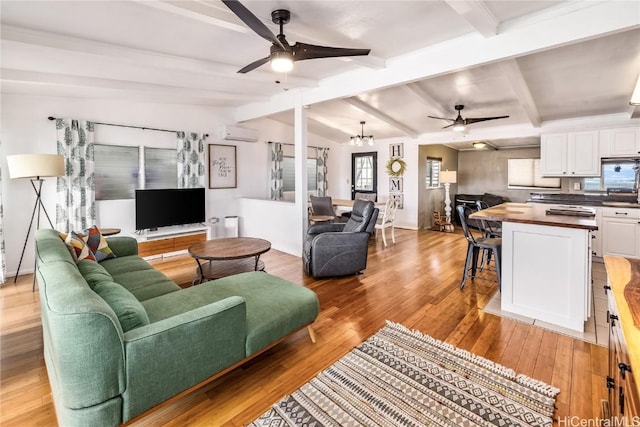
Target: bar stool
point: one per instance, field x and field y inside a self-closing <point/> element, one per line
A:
<point x="474" y="244"/>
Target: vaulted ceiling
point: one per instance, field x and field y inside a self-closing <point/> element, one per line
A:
<point x="535" y="61"/>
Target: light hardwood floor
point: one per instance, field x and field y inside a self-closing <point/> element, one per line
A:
<point x="414" y="282"/>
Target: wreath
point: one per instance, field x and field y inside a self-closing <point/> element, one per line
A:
<point x="396" y="166"/>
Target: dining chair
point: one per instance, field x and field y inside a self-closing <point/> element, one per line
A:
<point x="321" y="209"/>
<point x="475" y="244"/>
<point x="388" y="221"/>
<point x="490" y="228"/>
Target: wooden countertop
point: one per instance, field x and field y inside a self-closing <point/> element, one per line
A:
<point x="533" y="214"/>
<point x="621" y="272"/>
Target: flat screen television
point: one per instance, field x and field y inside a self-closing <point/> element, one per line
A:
<point x="172" y="206"/>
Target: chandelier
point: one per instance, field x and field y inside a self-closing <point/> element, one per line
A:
<point x="361" y="140"/>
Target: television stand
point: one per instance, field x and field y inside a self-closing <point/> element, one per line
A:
<point x="168" y="241"/>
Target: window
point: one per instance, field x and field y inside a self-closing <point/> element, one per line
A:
<point x="525" y="173"/>
<point x="116" y="171"/>
<point x="160" y="170"/>
<point x="619" y="174"/>
<point x="289" y="177"/>
<point x="432" y="175"/>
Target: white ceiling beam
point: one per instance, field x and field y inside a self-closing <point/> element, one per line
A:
<point x="139" y="56"/>
<point x="200" y="11"/>
<point x="322" y="121"/>
<point x="470" y="51"/>
<point x="477" y="14"/>
<point x="35" y="77"/>
<point x="427" y="100"/>
<point x="512" y="70"/>
<point x="374" y="112"/>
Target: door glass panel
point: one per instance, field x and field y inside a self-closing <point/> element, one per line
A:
<point x="363" y="173"/>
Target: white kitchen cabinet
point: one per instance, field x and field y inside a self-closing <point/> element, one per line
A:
<point x="620" y="142"/>
<point x="570" y="154"/>
<point x="621" y="232"/>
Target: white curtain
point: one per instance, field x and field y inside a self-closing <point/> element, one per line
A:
<point x="322" y="154"/>
<point x="76" y="207"/>
<point x="277" y="183"/>
<point x="191" y="162"/>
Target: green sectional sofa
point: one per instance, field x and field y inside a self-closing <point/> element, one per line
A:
<point x="120" y="337"/>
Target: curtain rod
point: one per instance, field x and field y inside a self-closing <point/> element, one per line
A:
<point x="293" y="145"/>
<point x="130" y="126"/>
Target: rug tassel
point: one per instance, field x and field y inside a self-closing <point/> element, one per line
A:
<point x="537" y="385"/>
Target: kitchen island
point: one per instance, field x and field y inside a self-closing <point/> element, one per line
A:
<point x="546" y="262"/>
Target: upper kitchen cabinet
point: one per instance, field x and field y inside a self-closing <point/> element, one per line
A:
<point x="570" y="154"/>
<point x="620" y="142"/>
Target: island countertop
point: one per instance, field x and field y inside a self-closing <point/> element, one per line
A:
<point x="533" y="214"/>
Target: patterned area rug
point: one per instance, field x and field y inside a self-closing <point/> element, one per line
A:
<point x="400" y="377"/>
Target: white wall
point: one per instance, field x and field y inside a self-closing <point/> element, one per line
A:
<point x="25" y="129"/>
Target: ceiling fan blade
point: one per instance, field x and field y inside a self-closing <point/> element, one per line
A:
<point x="452" y="124"/>
<point x="254" y="65"/>
<point x="441" y="118"/>
<point x="303" y="51"/>
<point x="252" y="21"/>
<point x="482" y="119"/>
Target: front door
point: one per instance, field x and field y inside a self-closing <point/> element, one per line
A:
<point x="364" y="173"/>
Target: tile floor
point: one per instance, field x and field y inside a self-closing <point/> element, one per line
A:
<point x="596" y="329"/>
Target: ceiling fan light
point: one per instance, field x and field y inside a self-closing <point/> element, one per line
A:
<point x="281" y="62"/>
<point x="459" y="127"/>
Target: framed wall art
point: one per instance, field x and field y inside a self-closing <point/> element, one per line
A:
<point x="222" y="166"/>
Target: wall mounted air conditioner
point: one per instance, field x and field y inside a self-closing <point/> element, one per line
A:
<point x="236" y="133"/>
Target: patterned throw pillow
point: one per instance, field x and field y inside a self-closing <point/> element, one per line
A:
<point x="97" y="244"/>
<point x="76" y="242"/>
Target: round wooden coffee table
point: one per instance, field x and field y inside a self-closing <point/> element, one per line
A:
<point x="227" y="256"/>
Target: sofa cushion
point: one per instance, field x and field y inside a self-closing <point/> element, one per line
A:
<point x="97" y="244"/>
<point x="50" y="247"/>
<point x="138" y="277"/>
<point x="275" y="306"/>
<point x="93" y="272"/>
<point x="492" y="199"/>
<point x="79" y="246"/>
<point x="130" y="312"/>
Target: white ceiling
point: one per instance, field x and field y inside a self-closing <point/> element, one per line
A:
<point x="536" y="61"/>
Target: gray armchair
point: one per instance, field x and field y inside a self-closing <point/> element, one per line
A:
<point x="340" y="249"/>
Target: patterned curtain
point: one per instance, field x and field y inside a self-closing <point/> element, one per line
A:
<point x="191" y="163"/>
<point x="322" y="154"/>
<point x="276" y="171"/>
<point x="76" y="207"/>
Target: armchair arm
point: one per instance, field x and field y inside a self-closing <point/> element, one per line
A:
<point x="123" y="245"/>
<point x="325" y="228"/>
<point x="339" y="254"/>
<point x="167" y="357"/>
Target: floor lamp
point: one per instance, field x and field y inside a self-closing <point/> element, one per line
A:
<point x="35" y="167"/>
<point x="447" y="178"/>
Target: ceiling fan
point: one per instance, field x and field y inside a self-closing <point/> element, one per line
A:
<point x="459" y="123"/>
<point x="282" y="53"/>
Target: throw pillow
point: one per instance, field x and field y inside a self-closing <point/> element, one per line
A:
<point x="129" y="310"/>
<point x="98" y="244"/>
<point x="71" y="249"/>
<point x="76" y="242"/>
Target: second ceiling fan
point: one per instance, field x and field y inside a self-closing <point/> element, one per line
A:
<point x="282" y="54"/>
<point x="459" y="123"/>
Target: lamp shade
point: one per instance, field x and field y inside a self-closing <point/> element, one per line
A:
<point x="35" y="165"/>
<point x="448" y="177"/>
